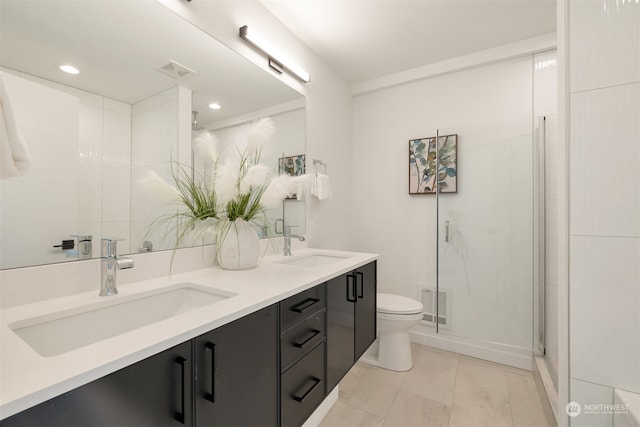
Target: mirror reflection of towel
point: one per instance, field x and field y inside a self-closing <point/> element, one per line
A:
<point x="321" y="187"/>
<point x="14" y="155"/>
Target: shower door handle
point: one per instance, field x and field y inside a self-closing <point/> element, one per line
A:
<point x="446" y="231"/>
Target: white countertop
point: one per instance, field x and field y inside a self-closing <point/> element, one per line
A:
<point x="27" y="378"/>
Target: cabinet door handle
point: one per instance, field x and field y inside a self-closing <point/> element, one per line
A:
<point x="211" y="348"/>
<point x="361" y="291"/>
<point x="351" y="291"/>
<point x="301" y="342"/>
<point x="304" y="305"/>
<point x="182" y="362"/>
<point x="313" y="381"/>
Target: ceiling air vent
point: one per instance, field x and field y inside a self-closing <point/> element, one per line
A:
<point x="177" y="71"/>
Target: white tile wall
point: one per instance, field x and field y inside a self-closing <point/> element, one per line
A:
<point x="604" y="43"/>
<point x="604" y="188"/>
<point x="30" y="226"/>
<point x="605" y="159"/>
<point x="161" y="130"/>
<point x="585" y="393"/>
<point x="605" y="320"/>
<point x="69" y="146"/>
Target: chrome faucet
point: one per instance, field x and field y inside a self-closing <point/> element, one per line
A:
<point x="110" y="264"/>
<point x="287" y="239"/>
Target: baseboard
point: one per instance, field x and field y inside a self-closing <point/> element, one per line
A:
<point x="321" y="411"/>
<point x="546" y="390"/>
<point x="506" y="355"/>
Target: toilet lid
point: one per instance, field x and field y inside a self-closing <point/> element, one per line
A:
<point x="397" y="304"/>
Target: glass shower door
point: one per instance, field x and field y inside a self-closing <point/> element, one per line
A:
<point x="485" y="232"/>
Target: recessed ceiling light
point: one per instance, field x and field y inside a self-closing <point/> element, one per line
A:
<point x="69" y="69"/>
<point x="215" y="106"/>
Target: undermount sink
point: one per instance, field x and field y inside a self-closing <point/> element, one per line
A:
<point x="314" y="260"/>
<point x="60" y="332"/>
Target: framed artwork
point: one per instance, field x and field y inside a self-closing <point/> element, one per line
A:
<point x="422" y="165"/>
<point x="292" y="165"/>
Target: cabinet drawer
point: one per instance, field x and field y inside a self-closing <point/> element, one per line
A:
<point x="303" y="388"/>
<point x="297" y="308"/>
<point x="301" y="338"/>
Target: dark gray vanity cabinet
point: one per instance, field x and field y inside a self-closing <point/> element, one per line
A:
<point x="273" y="367"/>
<point x="228" y="376"/>
<point x="302" y="355"/>
<point x="237" y="372"/>
<point x="351" y="320"/>
<point x="153" y="392"/>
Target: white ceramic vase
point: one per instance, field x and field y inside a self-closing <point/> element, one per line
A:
<point x="240" y="247"/>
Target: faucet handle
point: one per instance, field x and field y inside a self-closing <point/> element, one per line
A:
<point x="109" y="247"/>
<point x="279" y="221"/>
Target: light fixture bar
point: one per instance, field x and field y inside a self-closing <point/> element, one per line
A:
<point x="277" y="61"/>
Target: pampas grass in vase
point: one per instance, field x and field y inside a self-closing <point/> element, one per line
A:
<point x="229" y="196"/>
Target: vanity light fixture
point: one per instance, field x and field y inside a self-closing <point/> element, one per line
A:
<point x="277" y="61"/>
<point x="215" y="106"/>
<point x="69" y="69"/>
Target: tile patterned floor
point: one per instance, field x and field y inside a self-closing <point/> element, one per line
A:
<point x="443" y="389"/>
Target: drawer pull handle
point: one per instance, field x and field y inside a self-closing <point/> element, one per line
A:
<point x="304" y="305"/>
<point x="351" y="288"/>
<point x="314" y="383"/>
<point x="301" y="342"/>
<point x="360" y="275"/>
<point x="180" y="416"/>
<point x="211" y="347"/>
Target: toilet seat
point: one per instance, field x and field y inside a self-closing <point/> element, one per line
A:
<point x="397" y="304"/>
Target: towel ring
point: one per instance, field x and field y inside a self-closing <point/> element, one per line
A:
<point x="321" y="163"/>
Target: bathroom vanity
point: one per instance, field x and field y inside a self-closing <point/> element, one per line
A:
<point x="266" y="354"/>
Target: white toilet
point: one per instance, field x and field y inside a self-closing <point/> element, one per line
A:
<point x="396" y="315"/>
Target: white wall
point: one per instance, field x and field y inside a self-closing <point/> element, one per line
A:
<point x="604" y="55"/>
<point x="328" y="104"/>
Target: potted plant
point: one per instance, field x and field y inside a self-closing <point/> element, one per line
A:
<point x="228" y="196"/>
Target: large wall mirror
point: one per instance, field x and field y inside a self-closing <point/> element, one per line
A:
<point x="144" y="71"/>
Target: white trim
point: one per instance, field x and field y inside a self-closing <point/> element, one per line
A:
<point x="501" y="53"/>
<point x="517" y="357"/>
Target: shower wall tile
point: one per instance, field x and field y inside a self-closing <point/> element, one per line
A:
<point x="585" y="393"/>
<point x="605" y="154"/>
<point x="604" y="43"/>
<point x="90" y="134"/>
<point x="116" y="194"/>
<point x="604" y="315"/>
<point x="117" y="139"/>
<point x="90" y="192"/>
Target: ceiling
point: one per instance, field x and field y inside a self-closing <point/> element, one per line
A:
<point x="365" y="39"/>
<point x="121" y="47"/>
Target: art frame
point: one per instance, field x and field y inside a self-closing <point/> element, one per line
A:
<point x="292" y="166"/>
<point x="422" y="165"/>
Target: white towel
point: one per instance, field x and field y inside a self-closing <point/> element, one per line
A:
<point x="14" y="155"/>
<point x="321" y="187"/>
<point x="302" y="185"/>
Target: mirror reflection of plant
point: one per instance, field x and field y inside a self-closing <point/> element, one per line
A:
<point x="223" y="191"/>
